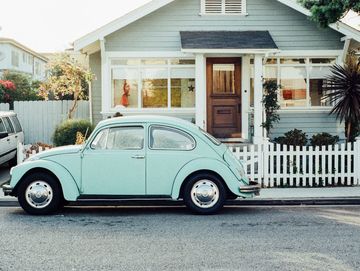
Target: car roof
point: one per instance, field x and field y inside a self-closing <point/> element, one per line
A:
<point x="151" y="119"/>
<point x="7" y="113"/>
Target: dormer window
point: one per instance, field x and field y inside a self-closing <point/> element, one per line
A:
<point x="223" y="7"/>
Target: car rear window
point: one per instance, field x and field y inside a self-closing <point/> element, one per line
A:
<point x="8" y="125"/>
<point x="16" y="123"/>
<point x="2" y="126"/>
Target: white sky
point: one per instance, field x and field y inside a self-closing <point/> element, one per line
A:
<point x="51" y="25"/>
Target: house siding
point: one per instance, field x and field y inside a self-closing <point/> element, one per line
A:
<point x="309" y="122"/>
<point x="159" y="31"/>
<point x="95" y="67"/>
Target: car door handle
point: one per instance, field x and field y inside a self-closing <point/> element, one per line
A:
<point x="8" y="139"/>
<point x="138" y="156"/>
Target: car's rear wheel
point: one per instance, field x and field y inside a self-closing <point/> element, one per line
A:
<point x="40" y="194"/>
<point x="204" y="193"/>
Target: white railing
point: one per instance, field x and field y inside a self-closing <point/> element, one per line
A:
<point x="25" y="152"/>
<point x="275" y="165"/>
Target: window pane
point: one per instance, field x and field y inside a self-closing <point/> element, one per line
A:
<point x="293" y="84"/>
<point x="182" y="61"/>
<point x="292" y="61"/>
<point x="155" y="88"/>
<point x="183" y="87"/>
<point x="224" y="78"/>
<point x="99" y="143"/>
<point x="125" y="138"/>
<point x="323" y="60"/>
<point x="125" y="62"/>
<point x="271" y="61"/>
<point x="125" y="87"/>
<point x="170" y="139"/>
<point x="317" y="80"/>
<point x="8" y="125"/>
<point x="2" y="127"/>
<point x="155" y="61"/>
<point x="16" y="123"/>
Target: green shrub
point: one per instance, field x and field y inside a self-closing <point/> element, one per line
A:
<point x="324" y="139"/>
<point x="294" y="138"/>
<point x="65" y="133"/>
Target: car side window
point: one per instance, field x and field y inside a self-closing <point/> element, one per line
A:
<point x="125" y="138"/>
<point x="167" y="138"/>
<point x="16" y="123"/>
<point x="2" y="126"/>
<point x="8" y="125"/>
<point x="99" y="143"/>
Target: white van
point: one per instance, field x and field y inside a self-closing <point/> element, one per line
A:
<point x="11" y="134"/>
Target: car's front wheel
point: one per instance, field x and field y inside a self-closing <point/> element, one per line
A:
<point x="204" y="194"/>
<point x="39" y="194"/>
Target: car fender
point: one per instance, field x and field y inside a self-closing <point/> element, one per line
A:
<point x="208" y="164"/>
<point x="68" y="184"/>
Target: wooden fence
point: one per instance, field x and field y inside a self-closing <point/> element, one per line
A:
<point x="39" y="118"/>
<point x="275" y="165"/>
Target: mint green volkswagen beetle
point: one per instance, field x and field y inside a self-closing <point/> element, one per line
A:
<point x="133" y="157"/>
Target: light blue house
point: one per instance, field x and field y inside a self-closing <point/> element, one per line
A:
<point x="205" y="61"/>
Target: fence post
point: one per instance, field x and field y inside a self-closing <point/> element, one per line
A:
<point x="357" y="160"/>
<point x="20" y="153"/>
<point x="265" y="161"/>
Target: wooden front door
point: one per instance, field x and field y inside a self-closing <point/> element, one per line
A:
<point x="224" y="97"/>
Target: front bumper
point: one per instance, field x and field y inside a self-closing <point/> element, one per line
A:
<point x="253" y="188"/>
<point x="7" y="189"/>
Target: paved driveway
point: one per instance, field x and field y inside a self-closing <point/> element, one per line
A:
<point x="240" y="238"/>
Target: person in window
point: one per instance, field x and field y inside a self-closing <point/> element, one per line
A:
<point x="126" y="94"/>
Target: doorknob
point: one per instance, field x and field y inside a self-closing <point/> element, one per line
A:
<point x="138" y="156"/>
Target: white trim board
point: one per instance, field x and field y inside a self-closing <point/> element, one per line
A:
<point x="154" y="5"/>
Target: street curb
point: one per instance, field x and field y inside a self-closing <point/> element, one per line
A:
<point x="247" y="202"/>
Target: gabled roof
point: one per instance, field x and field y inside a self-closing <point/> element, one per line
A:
<point x="88" y="40"/>
<point x="23" y="47"/>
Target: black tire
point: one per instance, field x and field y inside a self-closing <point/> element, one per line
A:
<point x="56" y="195"/>
<point x="190" y="198"/>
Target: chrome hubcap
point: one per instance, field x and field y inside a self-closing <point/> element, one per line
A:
<point x="39" y="194"/>
<point x="205" y="194"/>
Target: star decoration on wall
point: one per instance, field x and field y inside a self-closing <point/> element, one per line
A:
<point x="191" y="88"/>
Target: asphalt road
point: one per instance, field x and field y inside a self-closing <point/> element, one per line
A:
<point x="240" y="238"/>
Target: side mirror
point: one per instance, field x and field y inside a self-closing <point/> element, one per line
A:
<point x="3" y="135"/>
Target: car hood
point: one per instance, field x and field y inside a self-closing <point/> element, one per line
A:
<point x="57" y="151"/>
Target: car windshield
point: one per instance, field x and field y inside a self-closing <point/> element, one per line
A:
<point x="212" y="139"/>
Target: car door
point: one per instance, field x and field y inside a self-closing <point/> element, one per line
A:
<point x="4" y="143"/>
<point x="12" y="138"/>
<point x="169" y="150"/>
<point x="114" y="162"/>
<point x="19" y="134"/>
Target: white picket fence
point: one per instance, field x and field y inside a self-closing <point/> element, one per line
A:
<point x="274" y="165"/>
<point x="39" y="118"/>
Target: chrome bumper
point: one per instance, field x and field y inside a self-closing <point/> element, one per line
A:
<point x="253" y="188"/>
<point x="7" y="189"/>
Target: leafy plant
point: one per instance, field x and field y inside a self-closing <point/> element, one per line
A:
<point x="323" y="139"/>
<point x="67" y="80"/>
<point x="271" y="105"/>
<point x="343" y="90"/>
<point x="22" y="88"/>
<point x="294" y="138"/>
<point x="65" y="133"/>
<point x="325" y="12"/>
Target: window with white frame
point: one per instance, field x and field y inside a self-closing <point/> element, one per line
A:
<point x="301" y="80"/>
<point x="153" y="83"/>
<point x="223" y="7"/>
<point x="15" y="58"/>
